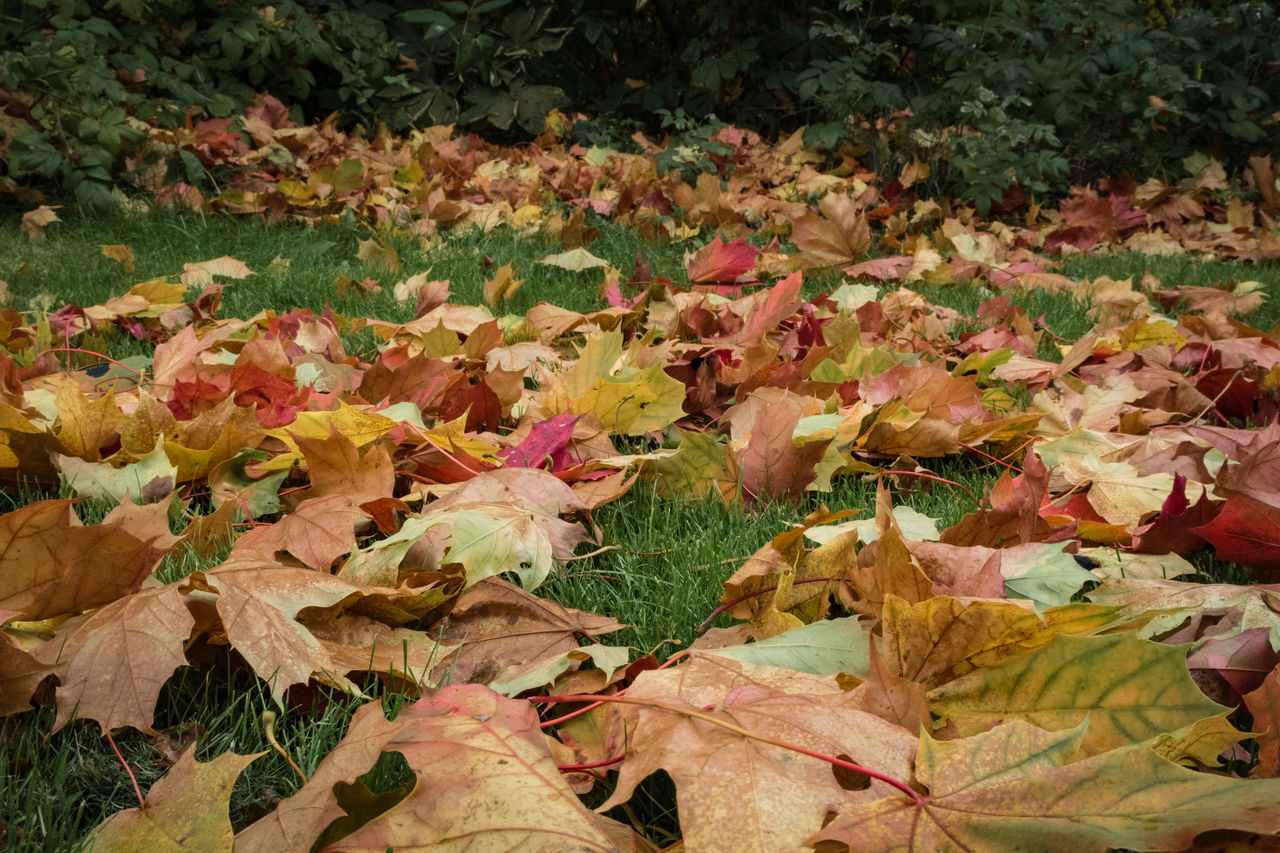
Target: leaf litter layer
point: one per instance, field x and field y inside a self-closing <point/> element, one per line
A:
<point x="380" y="521"/>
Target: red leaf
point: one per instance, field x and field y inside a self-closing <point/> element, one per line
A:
<point x="720" y="261"/>
<point x="1245" y="531"/>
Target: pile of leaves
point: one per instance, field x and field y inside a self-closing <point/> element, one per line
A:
<point x="1021" y="678"/>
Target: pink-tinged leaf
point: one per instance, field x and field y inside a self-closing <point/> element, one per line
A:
<point x="1242" y="660"/>
<point x="781" y="302"/>
<point x="1245" y="531"/>
<point x="720" y="261"/>
<point x="881" y="269"/>
<point x="549" y="438"/>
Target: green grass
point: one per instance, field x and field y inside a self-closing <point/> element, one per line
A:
<point x="662" y="579"/>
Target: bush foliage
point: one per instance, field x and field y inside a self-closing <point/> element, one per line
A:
<point x="989" y="93"/>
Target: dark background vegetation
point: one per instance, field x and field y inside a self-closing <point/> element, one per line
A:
<point x="990" y="93"/>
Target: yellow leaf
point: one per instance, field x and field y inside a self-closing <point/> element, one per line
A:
<point x="119" y="252"/>
<point x="378" y="257"/>
<point x="503" y="285"/>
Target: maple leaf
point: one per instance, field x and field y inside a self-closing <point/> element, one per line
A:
<point x="1012" y="788"/>
<point x="826" y="647"/>
<point x="497" y="625"/>
<point x="120" y="253"/>
<point x="575" y="260"/>
<point x="112" y="666"/>
<point x="202" y="273"/>
<point x="943" y="637"/>
<point x="258" y="602"/>
<point x="34" y="221"/>
<point x="1245" y="531"/>
<point x="721" y="262"/>
<point x="378" y="257"/>
<point x="779" y="797"/>
<point x="840" y="236"/>
<point x="889" y="569"/>
<point x="503" y="285"/>
<point x="51" y="565"/>
<point x="298" y="821"/>
<point x="185" y="810"/>
<point x="1129" y="689"/>
<point x="485" y="775"/>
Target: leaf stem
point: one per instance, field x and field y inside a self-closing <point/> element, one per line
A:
<point x="938" y="479"/>
<point x="127" y="769"/>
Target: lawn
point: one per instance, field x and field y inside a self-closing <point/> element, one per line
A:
<point x="702" y="422"/>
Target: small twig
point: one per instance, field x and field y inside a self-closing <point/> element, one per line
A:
<point x="269" y="729"/>
<point x="127" y="769"/>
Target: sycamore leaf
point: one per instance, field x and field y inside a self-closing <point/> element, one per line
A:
<point x="186" y="810"/>
<point x="1012" y="788"/>
<point x="1129" y="689"/>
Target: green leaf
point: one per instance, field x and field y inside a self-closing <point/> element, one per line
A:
<point x="1129" y="689"/>
<point x="821" y="648"/>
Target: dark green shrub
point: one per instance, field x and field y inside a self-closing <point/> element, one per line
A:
<point x="76" y="78"/>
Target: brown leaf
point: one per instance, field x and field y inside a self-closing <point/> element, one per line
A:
<point x="378" y="257"/>
<point x="485" y="780"/>
<point x="114" y="664"/>
<point x="889" y="569"/>
<point x="840" y="236"/>
<point x="259" y="602"/>
<point x="51" y="565"/>
<point x="117" y="252"/>
<point x="736" y="793"/>
<point x="298" y="821"/>
<point x="317" y="532"/>
<point x="503" y="285"/>
<point x="34" y="221"/>
<point x="497" y="624"/>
